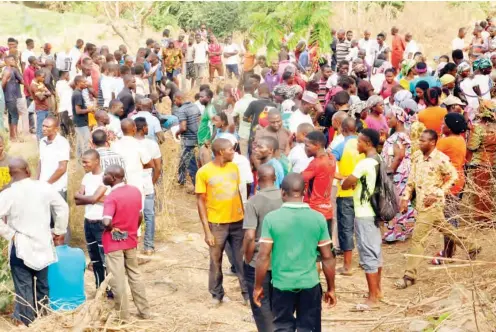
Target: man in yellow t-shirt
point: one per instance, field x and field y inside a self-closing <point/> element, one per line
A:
<point x="221" y="214"/>
<point x="347" y="156"/>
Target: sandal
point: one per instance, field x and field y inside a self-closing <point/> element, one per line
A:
<point x="343" y="272"/>
<point x="472" y="254"/>
<point x="404" y="282"/>
<point x="436" y="261"/>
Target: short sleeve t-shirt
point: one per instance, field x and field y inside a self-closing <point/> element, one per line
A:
<point x="51" y="154"/>
<point x="215" y="59"/>
<point x="318" y="178"/>
<point x="123" y="206"/>
<point x="234" y="59"/>
<point x="91" y="183"/>
<point x="221" y="186"/>
<point x="190" y="113"/>
<point x="279" y="171"/>
<point x="154" y="151"/>
<point x="347" y="157"/>
<point x="296" y="232"/>
<point x="200" y="55"/>
<point x="80" y="120"/>
<point x="455" y="148"/>
<point x="365" y="169"/>
<point x="152" y="122"/>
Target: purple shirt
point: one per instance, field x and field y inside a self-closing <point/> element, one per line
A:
<point x="272" y="80"/>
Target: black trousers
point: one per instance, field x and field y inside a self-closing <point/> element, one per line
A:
<point x="307" y="303"/>
<point x="26" y="287"/>
<point x="93" y="230"/>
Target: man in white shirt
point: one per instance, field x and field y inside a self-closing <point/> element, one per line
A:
<point x="136" y="157"/>
<point x="238" y="112"/>
<point x="108" y="84"/>
<point x="27" y="53"/>
<point x="308" y="102"/>
<point x="154" y="131"/>
<point x="75" y="55"/>
<point x="90" y="194"/>
<point x="150" y="178"/>
<point x="297" y="156"/>
<point x="26" y="206"/>
<point x="116" y="110"/>
<point x="54" y="157"/>
<point x="459" y="43"/>
<point x="64" y="92"/>
<point x="411" y="47"/>
<point x="200" y="50"/>
<point x="366" y="44"/>
<point x="231" y="51"/>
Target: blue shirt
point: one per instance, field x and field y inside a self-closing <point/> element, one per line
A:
<point x="304" y="59"/>
<point x="279" y="171"/>
<point x="66" y="279"/>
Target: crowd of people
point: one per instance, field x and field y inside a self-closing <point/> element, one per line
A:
<point x="285" y="156"/>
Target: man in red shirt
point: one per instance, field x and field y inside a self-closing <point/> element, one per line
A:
<point x="319" y="175"/>
<point x="121" y="218"/>
<point x="28" y="76"/>
<point x="214" y="56"/>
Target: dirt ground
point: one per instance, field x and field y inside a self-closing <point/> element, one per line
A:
<point x="176" y="281"/>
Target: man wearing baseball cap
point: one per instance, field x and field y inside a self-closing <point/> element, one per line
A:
<point x="308" y="102"/>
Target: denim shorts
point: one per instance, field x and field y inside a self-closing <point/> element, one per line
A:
<point x="346" y="223"/>
<point x="233" y="69"/>
<point x="13" y="113"/>
<point x="369" y="243"/>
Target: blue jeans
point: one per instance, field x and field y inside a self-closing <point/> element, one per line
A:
<point x="187" y="162"/>
<point x="346" y="223"/>
<point x="149" y="216"/>
<point x="93" y="230"/>
<point x="262" y="315"/>
<point x="40" y="117"/>
<point x="25" y="287"/>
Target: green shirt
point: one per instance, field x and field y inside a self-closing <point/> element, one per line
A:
<point x="205" y="127"/>
<point x="295" y="231"/>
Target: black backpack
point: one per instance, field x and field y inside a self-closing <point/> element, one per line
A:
<point x="383" y="199"/>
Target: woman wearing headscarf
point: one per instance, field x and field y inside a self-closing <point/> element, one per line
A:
<point x="407" y="73"/>
<point x="420" y="90"/>
<point x="396" y="154"/>
<point x="453" y="145"/>
<point x="481" y="168"/>
<point x="448" y="82"/>
<point x="482" y="70"/>
<point x="358" y="111"/>
<point x="465" y="89"/>
<point x="376" y="119"/>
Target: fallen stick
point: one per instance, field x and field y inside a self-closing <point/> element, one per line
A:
<point x="455" y="266"/>
<point x="449" y="259"/>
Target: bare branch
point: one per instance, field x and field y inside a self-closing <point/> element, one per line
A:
<point x="112" y="22"/>
<point x="144" y="17"/>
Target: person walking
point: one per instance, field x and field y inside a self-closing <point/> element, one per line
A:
<point x="267" y="199"/>
<point x="295" y="280"/>
<point x="221" y="213"/>
<point x="431" y="177"/>
<point x="27" y="228"/>
<point x="121" y="218"/>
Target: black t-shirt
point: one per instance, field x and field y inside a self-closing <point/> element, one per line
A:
<point x="254" y="110"/>
<point x="80" y="120"/>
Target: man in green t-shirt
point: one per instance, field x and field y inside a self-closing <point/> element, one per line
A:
<point x="205" y="128"/>
<point x="368" y="235"/>
<point x="289" y="239"/>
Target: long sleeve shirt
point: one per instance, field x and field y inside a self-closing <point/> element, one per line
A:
<point x="28" y="205"/>
<point x="434" y="175"/>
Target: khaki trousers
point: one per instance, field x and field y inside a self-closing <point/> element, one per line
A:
<point x="119" y="263"/>
<point x="425" y="222"/>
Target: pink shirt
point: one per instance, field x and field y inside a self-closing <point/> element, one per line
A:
<point x="123" y="206"/>
<point x="379" y="124"/>
<point x="214" y="59"/>
<point x="28" y="77"/>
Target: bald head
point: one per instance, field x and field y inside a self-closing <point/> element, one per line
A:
<point x="305" y="128"/>
<point x="115" y="171"/>
<point x="146" y="104"/>
<point x="292" y="187"/>
<point x="220" y="144"/>
<point x="266" y="176"/>
<point x="338" y="118"/>
<point x="348" y="126"/>
<point x="128" y="127"/>
<point x="102" y="117"/>
<point x="19" y="169"/>
<point x="263" y="89"/>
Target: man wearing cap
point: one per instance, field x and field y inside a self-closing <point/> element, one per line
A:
<point x="308" y="102"/>
<point x="423" y="75"/>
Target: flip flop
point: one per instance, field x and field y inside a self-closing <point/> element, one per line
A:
<point x="404" y="282"/>
<point x="343" y="272"/>
<point x="363" y="307"/>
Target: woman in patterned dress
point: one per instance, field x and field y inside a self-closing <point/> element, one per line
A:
<point x="396" y="154"/>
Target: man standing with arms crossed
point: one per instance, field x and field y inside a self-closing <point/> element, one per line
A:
<point x="221" y="214"/>
<point x="294" y="276"/>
